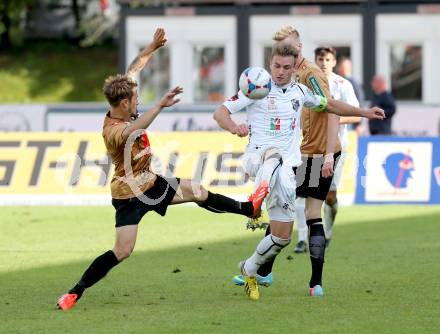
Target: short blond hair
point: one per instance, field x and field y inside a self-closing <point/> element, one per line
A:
<point x="283" y="50"/>
<point x="118" y="87"/>
<point x="284" y="32"/>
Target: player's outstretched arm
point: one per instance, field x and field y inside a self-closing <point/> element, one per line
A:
<point x="350" y="120"/>
<point x="145" y="55"/>
<point x="144" y="121"/>
<point x="343" y="109"/>
<point x="224" y="120"/>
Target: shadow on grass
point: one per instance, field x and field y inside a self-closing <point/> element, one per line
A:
<point x="376" y="274"/>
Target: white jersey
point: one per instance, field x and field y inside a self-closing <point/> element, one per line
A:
<point x="342" y="90"/>
<point x="274" y="121"/>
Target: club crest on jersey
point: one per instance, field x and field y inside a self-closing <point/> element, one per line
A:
<point x="295" y="105"/>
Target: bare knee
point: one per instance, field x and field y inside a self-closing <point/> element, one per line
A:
<point x="282" y="230"/>
<point x="271" y="153"/>
<point x="313" y="208"/>
<point x="312" y="213"/>
<point x="200" y="194"/>
<point x="285" y="235"/>
<point x="331" y="198"/>
<point x="122" y="252"/>
<point x="193" y="192"/>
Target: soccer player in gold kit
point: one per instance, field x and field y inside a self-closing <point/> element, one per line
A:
<point x="135" y="188"/>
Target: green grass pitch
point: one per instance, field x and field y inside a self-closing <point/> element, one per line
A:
<point x="382" y="274"/>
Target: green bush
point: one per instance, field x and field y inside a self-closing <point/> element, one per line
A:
<point x="53" y="72"/>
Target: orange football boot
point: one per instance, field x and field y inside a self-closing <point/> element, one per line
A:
<point x="67" y="301"/>
<point x="257" y="198"/>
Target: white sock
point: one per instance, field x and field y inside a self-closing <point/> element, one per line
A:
<point x="268" y="248"/>
<point x="303" y="231"/>
<point x="329" y="215"/>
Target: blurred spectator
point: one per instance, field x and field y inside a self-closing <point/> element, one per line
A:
<point x="345" y="70"/>
<point x="382" y="98"/>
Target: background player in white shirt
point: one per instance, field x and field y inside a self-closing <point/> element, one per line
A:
<point x="342" y="90"/>
<point x="274" y="149"/>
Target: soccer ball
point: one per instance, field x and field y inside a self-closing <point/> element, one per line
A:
<point x="255" y="83"/>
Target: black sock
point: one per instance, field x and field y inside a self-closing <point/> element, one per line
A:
<point x="266" y="268"/>
<point x="78" y="290"/>
<point x="96" y="271"/>
<point x="317" y="250"/>
<point x="221" y="204"/>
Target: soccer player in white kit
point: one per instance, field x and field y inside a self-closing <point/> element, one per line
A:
<point x="273" y="151"/>
<point x="342" y="90"/>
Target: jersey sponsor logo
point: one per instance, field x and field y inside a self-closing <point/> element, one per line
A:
<point x="275" y="124"/>
<point x="271" y="103"/>
<point x="316" y="88"/>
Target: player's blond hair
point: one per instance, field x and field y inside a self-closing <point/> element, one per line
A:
<point x="286" y="31"/>
<point x="118" y="87"/>
<point x="283" y="50"/>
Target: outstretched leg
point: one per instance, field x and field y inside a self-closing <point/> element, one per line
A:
<point x="190" y="191"/>
<point x="124" y="244"/>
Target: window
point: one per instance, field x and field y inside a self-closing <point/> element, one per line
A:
<point x="155" y="77"/>
<point x="406" y="71"/>
<point x="209" y="74"/>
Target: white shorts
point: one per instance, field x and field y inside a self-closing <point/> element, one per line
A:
<point x="280" y="202"/>
<point x="338" y="172"/>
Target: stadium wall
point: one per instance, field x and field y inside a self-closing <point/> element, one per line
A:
<point x="369" y="29"/>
